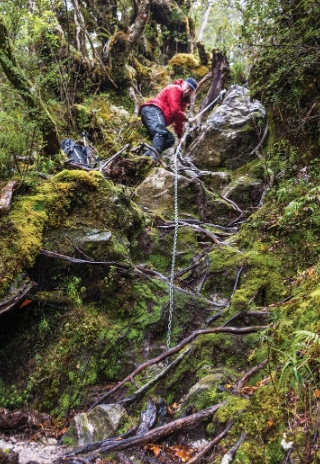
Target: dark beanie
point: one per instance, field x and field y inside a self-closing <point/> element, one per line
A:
<point x="191" y="83"/>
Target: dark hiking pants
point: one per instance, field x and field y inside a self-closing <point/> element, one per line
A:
<point x="152" y="117"/>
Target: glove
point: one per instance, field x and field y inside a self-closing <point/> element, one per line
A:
<point x="190" y="120"/>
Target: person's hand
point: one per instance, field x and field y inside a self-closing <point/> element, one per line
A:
<point x="190" y="120"/>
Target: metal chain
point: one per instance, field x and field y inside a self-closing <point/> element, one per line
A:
<point x="174" y="248"/>
<point x="176" y="221"/>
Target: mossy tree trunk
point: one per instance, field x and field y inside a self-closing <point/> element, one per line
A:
<point x="121" y="45"/>
<point x="23" y="87"/>
<point x="177" y="30"/>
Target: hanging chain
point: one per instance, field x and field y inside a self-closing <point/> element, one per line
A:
<point x="175" y="240"/>
<point x="176" y="221"/>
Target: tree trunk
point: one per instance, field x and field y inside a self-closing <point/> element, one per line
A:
<point x="15" y="75"/>
<point x="80" y="29"/>
<point x="121" y="45"/>
<point x="220" y="71"/>
<point x="175" y="26"/>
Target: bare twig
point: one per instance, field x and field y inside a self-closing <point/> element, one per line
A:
<point x="119" y="266"/>
<point x="110" y="160"/>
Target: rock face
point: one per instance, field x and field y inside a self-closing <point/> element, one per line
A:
<point x="157" y="193"/>
<point x="232" y="131"/>
<point x="98" y="424"/>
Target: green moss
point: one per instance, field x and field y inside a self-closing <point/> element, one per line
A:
<point x="234" y="405"/>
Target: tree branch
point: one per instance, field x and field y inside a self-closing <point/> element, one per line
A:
<point x="211" y="445"/>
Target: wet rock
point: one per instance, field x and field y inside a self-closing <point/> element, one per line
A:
<point x="231" y="132"/>
<point x="245" y="191"/>
<point x="10" y="420"/>
<point x="98" y="424"/>
<point x="215" y="180"/>
<point x="157" y="193"/>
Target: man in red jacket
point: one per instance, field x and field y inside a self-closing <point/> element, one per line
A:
<point x="165" y="109"/>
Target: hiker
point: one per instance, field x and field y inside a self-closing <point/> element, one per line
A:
<point x="165" y="109"/>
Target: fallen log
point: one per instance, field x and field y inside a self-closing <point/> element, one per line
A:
<point x="154" y="434"/>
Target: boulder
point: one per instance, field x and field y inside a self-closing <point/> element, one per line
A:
<point x="245" y="191"/>
<point x="231" y="132"/>
<point x="215" y="180"/>
<point x="156" y="192"/>
<point x="98" y="424"/>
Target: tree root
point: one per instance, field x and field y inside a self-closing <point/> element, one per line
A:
<point x="206" y="450"/>
<point x="176" y="349"/>
<point x="229" y="456"/>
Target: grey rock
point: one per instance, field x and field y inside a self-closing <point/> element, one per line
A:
<point x="98" y="424"/>
<point x="231" y="132"/>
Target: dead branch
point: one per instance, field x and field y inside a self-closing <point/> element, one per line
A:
<point x="205" y="79"/>
<point x="155" y="434"/>
<point x="211" y="445"/>
<point x="71" y="165"/>
<point x="260" y="144"/>
<point x="208" y="224"/>
<point x="229" y="456"/>
<point x="137" y="100"/>
<point x="176" y="349"/>
<point x="119" y="266"/>
<point x="241" y="383"/>
<point x="6" y="196"/>
<point x="201" y="230"/>
<point x="17" y="298"/>
<point x="110" y="160"/>
<point x="78" y="249"/>
<point x="144" y="272"/>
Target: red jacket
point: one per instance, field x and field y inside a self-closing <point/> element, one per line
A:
<point x="172" y="104"/>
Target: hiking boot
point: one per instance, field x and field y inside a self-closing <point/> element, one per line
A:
<point x="151" y="154"/>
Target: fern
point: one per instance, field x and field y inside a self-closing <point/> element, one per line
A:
<point x="307" y="337"/>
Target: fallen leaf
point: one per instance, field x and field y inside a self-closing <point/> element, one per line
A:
<point x="182" y="452"/>
<point x="25" y="303"/>
<point x="317" y="393"/>
<point x="154" y="448"/>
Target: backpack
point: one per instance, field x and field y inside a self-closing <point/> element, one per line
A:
<point x="76" y="152"/>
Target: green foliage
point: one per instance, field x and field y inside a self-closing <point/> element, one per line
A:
<point x="284" y="36"/>
<point x="13" y="397"/>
